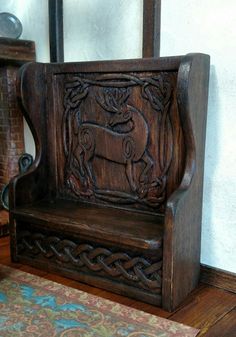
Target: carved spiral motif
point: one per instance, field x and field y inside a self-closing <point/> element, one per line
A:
<point x="86" y="138"/>
<point x="128" y="147"/>
<point x="97" y="259"/>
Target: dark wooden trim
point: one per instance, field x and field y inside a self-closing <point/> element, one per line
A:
<point x="151" y="28"/>
<point x="218" y="278"/>
<point x="16" y="51"/>
<point x="56" y="39"/>
<point x="170" y="63"/>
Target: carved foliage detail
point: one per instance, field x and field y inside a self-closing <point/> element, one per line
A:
<point x="123" y="139"/>
<point x="137" y="269"/>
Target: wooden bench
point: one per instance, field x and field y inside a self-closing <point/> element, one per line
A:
<point x="114" y="195"/>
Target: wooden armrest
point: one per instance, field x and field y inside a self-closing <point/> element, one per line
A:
<point x="184" y="206"/>
<point x="27" y="188"/>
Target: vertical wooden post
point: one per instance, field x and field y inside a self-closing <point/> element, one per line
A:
<point x="56" y="40"/>
<point x="151" y="28"/>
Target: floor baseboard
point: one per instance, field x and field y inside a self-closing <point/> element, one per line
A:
<point x="218" y="278"/>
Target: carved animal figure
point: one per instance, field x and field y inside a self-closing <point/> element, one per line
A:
<point x="123" y="145"/>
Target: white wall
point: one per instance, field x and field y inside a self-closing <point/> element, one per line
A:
<point x="102" y="29"/>
<point x="33" y="15"/>
<point x="209" y="26"/>
<point x="99" y="29"/>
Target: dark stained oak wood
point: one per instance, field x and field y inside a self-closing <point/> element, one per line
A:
<point x="151" y="28"/>
<point x="56" y="38"/>
<point x="218" y="278"/>
<point x="184" y="207"/>
<point x="114" y="196"/>
<point x="202" y="309"/>
<point x="99" y="223"/>
<point x="17" y="51"/>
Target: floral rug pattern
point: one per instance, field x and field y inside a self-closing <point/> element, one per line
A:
<point x="31" y="306"/>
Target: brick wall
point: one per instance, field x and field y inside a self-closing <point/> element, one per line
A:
<point x="11" y="125"/>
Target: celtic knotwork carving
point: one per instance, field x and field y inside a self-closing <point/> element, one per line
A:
<point x="158" y="91"/>
<point x="123" y="139"/>
<point x="137" y="270"/>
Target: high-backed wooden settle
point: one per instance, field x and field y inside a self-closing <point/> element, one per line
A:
<point x="114" y="196"/>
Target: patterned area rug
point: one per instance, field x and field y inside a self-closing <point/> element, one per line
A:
<point x="31" y="306"/>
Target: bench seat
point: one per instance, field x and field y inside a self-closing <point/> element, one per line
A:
<point x="107" y="225"/>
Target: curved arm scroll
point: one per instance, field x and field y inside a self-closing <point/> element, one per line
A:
<point x="25" y="161"/>
<point x="25" y="188"/>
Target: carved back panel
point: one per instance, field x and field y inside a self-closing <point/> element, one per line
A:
<point x="119" y="138"/>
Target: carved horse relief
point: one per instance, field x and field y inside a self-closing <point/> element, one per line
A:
<point x="122" y="138"/>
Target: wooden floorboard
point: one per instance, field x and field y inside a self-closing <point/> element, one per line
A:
<point x="205" y="307"/>
<point x="224" y="327"/>
<point x="209" y="309"/>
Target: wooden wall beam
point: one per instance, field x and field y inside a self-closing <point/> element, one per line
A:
<point x="151" y="28"/>
<point x="56" y="40"/>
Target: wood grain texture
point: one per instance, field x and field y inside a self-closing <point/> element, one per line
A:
<point x="218" y="278"/>
<point x="17" y="51"/>
<point x="151" y="28"/>
<point x="204" y="308"/>
<point x="101" y="224"/>
<point x="184" y="207"/>
<point x="127" y="139"/>
<point x="226" y="327"/>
